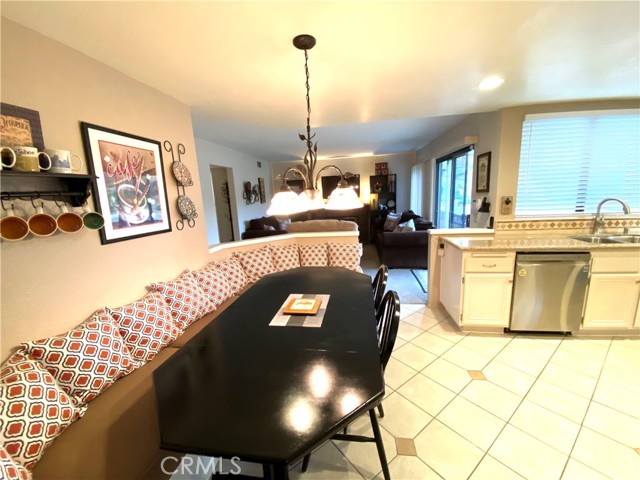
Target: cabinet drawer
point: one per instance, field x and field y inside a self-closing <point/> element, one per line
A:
<point x="615" y="262"/>
<point x="489" y="263"/>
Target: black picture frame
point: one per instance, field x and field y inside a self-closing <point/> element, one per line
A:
<point x="20" y="127"/>
<point x="129" y="183"/>
<point x="483" y="172"/>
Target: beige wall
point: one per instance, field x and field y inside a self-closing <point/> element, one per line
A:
<point x="52" y="284"/>
<point x="511" y="137"/>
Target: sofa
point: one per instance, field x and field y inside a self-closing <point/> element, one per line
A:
<point x="266" y="227"/>
<point x="117" y="434"/>
<point x="402" y="246"/>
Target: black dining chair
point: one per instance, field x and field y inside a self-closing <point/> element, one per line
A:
<point x="379" y="284"/>
<point x="388" y="322"/>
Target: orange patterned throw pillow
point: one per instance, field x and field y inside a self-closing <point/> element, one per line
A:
<point x="285" y="257"/>
<point x="146" y="326"/>
<point x="214" y="284"/>
<point x="186" y="300"/>
<point x="233" y="272"/>
<point x="345" y="255"/>
<point x="256" y="263"/>
<point x="10" y="470"/>
<point x="84" y="361"/>
<point x="34" y="410"/>
<point x="314" y="255"/>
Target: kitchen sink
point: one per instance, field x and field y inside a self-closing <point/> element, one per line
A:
<point x="608" y="238"/>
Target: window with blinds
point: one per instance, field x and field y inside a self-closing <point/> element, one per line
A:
<point x="571" y="161"/>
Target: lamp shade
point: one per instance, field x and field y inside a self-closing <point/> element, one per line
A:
<point x="311" y="199"/>
<point x="285" y="203"/>
<point x="343" y="198"/>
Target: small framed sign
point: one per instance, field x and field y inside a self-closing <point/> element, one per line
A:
<point x="483" y="172"/>
<point x="20" y="127"/>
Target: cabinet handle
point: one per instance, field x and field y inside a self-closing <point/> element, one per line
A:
<point x="488" y="265"/>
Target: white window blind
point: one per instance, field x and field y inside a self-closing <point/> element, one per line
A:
<point x="417" y="176"/>
<point x="571" y="161"/>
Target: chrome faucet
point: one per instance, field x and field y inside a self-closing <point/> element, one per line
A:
<point x="598" y="221"/>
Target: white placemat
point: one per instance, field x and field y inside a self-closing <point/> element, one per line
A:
<point x="312" y="321"/>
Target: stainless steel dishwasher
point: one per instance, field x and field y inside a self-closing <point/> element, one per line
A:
<point x="549" y="291"/>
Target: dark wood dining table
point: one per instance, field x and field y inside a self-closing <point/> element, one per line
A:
<point x="272" y="394"/>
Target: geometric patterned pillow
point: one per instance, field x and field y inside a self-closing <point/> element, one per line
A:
<point x="233" y="272"/>
<point x="84" y="361"/>
<point x="185" y="298"/>
<point x="285" y="257"/>
<point x="34" y="410"/>
<point x="345" y="255"/>
<point x="11" y="470"/>
<point x="146" y="326"/>
<point x="314" y="255"/>
<point x="214" y="284"/>
<point x="256" y="263"/>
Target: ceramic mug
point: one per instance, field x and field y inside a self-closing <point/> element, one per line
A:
<point x="62" y="161"/>
<point x="42" y="224"/>
<point x="28" y="159"/>
<point x="92" y="220"/>
<point x="13" y="228"/>
<point x="11" y="153"/>
<point x="69" y="222"/>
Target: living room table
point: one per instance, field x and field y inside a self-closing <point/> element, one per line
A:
<point x="272" y="394"/>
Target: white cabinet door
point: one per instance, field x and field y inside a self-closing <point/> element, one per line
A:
<point x="451" y="281"/>
<point x="612" y="301"/>
<point x="487" y="299"/>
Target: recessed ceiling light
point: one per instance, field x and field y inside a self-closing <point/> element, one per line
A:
<point x="491" y="82"/>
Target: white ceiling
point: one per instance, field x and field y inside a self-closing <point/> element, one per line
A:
<point x="386" y="76"/>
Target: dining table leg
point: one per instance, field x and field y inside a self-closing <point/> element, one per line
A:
<point x="379" y="444"/>
<point x="275" y="471"/>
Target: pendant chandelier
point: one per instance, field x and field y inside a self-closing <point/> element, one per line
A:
<point x="286" y="201"/>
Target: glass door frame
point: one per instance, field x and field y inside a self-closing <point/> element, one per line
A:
<point x="468" y="172"/>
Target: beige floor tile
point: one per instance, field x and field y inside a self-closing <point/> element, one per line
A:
<point x="327" y="463"/>
<point x="625" y="376"/>
<point x="522" y="361"/>
<point x="491" y="469"/>
<point x="406" y="446"/>
<point x="613" y="424"/>
<point x="626" y="347"/>
<point x="471" y="422"/>
<point x="564" y="403"/>
<point x="618" y="398"/>
<point x="492" y="398"/>
<point x="446" y="373"/>
<point x="432" y="343"/>
<point x="364" y="456"/>
<point x="570" y="380"/>
<point x="527" y="456"/>
<point x="408" y="332"/>
<point x="446" y="452"/>
<point x="410" y="468"/>
<point x="396" y="373"/>
<point x="402" y="418"/>
<point x="448" y="331"/>
<point x="606" y="456"/>
<point x="580" y="363"/>
<point x="476" y="375"/>
<point x="596" y="349"/>
<point x="407" y="309"/>
<point x="545" y="425"/>
<point x="516" y="381"/>
<point x="415" y="357"/>
<point x="427" y="394"/>
<point x="465" y="358"/>
<point x="543" y="346"/>
<point x="579" y="471"/>
<point x="399" y="343"/>
<point x="482" y="345"/>
<point x="421" y="320"/>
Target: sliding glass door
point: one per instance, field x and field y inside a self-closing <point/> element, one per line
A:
<point x="453" y="194"/>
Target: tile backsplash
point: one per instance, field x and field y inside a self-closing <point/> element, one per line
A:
<point x="612" y="224"/>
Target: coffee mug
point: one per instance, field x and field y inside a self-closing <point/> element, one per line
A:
<point x="69" y="222"/>
<point x="11" y="153"/>
<point x="92" y="220"/>
<point x="62" y="161"/>
<point x="13" y="228"/>
<point x="28" y="159"/>
<point x="42" y="224"/>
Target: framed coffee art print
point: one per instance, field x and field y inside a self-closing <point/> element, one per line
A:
<point x="483" y="172"/>
<point x="130" y="186"/>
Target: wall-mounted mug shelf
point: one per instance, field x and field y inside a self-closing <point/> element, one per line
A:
<point x="73" y="188"/>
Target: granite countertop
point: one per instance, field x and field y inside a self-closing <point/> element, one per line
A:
<point x="533" y="243"/>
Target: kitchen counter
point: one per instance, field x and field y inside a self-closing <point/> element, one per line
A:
<point x="533" y="243"/>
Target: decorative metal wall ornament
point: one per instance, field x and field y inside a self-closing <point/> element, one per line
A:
<point x="250" y="194"/>
<point x="181" y="173"/>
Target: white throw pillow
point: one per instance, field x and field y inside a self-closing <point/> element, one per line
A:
<point x="392" y="221"/>
<point x="408" y="226"/>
